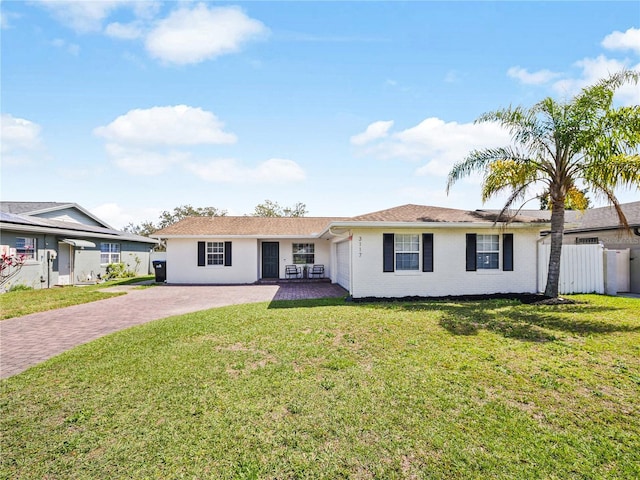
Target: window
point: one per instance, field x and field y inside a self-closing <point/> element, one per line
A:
<point x="402" y="252"/>
<point x="26" y="246"/>
<point x="488" y="252"/>
<point x="587" y="241"/>
<point x="304" y="253"/>
<point x="407" y="248"/>
<point x="483" y="252"/>
<point x="109" y="253"/>
<point x="215" y="253"/>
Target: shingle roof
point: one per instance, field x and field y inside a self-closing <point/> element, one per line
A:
<point x="423" y="213"/>
<point x="25" y="208"/>
<point x="313" y="226"/>
<point x="605" y="218"/>
<point x="12" y="221"/>
<point x="249" y="226"/>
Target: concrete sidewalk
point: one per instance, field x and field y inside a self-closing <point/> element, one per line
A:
<point x="31" y="339"/>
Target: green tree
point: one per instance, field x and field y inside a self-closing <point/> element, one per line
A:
<point x="169" y="218"/>
<point x="576" y="200"/>
<point x="555" y="145"/>
<point x="273" y="209"/>
<point x="144" y="229"/>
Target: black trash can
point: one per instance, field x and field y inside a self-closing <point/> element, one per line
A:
<point x="160" y="267"/>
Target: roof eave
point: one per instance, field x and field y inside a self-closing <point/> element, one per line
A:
<point x="252" y="235"/>
<point x="430" y="225"/>
<point x="73" y="233"/>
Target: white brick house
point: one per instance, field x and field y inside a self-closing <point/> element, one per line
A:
<point x="411" y="250"/>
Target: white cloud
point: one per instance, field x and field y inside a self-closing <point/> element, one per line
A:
<point x="275" y="170"/>
<point x="373" y="132"/>
<point x="119" y="217"/>
<point x="124" y="31"/>
<point x="629" y="40"/>
<point x="532" y="78"/>
<point x="439" y="143"/>
<point x="72" y="48"/>
<point x="82" y="15"/>
<point x="147" y="162"/>
<point x="6" y="18"/>
<point x="166" y="126"/>
<point x="152" y="141"/>
<point x="192" y="35"/>
<point x="19" y="138"/>
<point x="595" y="69"/>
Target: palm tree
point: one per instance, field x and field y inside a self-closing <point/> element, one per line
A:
<point x="556" y="146"/>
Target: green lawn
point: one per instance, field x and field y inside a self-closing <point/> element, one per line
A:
<point x="323" y="389"/>
<point x="24" y="302"/>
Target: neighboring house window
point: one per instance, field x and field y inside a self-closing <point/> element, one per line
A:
<point x="587" y="241"/>
<point x="214" y="253"/>
<point x="304" y="253"/>
<point x="483" y="252"/>
<point x="402" y="252"/>
<point x="109" y="253"/>
<point x="26" y="246"/>
<point x="407" y="251"/>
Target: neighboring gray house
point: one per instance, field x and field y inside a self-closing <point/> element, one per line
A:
<point x="66" y="244"/>
<point x="601" y="226"/>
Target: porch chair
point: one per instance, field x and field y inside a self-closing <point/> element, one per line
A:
<point x="317" y="271"/>
<point x="292" y="271"/>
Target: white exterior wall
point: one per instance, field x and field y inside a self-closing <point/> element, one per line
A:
<point x="322" y="254"/>
<point x="182" y="262"/>
<point x="449" y="276"/>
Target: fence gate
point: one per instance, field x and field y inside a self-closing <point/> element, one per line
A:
<point x="581" y="268"/>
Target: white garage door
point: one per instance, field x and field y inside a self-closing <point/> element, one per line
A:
<point x="343" y="264"/>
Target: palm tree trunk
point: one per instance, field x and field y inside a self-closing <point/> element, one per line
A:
<point x="557" y="232"/>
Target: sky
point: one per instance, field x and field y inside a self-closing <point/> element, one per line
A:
<point x="130" y="108"/>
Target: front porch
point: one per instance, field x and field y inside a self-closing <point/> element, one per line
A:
<point x="287" y="281"/>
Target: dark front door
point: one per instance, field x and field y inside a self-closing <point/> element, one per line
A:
<point x="270" y="260"/>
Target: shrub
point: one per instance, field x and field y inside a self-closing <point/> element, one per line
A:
<point x="19" y="288"/>
<point x="118" y="270"/>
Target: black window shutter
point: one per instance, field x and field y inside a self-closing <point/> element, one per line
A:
<point x="202" y="257"/>
<point x="471" y="252"/>
<point x="227" y="254"/>
<point x="507" y="252"/>
<point x="427" y="252"/>
<point x="387" y="252"/>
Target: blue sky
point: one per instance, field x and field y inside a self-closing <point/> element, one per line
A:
<point x="129" y="108"/>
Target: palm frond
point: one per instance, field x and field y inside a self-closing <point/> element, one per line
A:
<point x="508" y="174"/>
<point x="613" y="172"/>
<point x="479" y="160"/>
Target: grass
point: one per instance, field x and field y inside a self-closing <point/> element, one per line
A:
<point x="24" y="302"/>
<point x="323" y="389"/>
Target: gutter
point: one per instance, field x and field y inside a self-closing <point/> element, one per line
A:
<point x="427" y="225"/>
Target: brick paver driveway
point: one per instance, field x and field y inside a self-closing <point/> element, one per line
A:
<point x="28" y="340"/>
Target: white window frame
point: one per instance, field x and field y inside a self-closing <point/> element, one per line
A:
<point x="407" y="244"/>
<point x="26" y="246"/>
<point x="303" y="252"/>
<point x="487" y="252"/>
<point x="109" y="253"/>
<point x="215" y="254"/>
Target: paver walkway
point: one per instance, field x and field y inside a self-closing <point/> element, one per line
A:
<point x="31" y="339"/>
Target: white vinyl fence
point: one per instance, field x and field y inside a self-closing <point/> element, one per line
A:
<point x="581" y="268"/>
